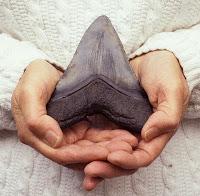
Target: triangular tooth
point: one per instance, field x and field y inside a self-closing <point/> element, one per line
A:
<point x="99" y="64"/>
<point x="99" y="54"/>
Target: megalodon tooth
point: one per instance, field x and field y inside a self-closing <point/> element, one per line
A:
<point x="99" y="80"/>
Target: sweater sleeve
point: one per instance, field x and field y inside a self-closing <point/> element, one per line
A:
<point x="185" y="44"/>
<point x="15" y="55"/>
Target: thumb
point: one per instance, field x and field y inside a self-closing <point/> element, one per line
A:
<point x="35" y="89"/>
<point x="166" y="117"/>
<point x="46" y="129"/>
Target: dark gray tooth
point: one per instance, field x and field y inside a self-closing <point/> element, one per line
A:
<point x="99" y="79"/>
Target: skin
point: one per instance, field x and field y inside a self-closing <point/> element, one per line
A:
<point x="40" y="131"/>
<point x="106" y="151"/>
<point x="168" y="93"/>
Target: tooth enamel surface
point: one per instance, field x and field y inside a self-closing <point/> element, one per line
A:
<point x="99" y="79"/>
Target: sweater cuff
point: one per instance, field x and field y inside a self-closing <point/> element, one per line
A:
<point x="185" y="50"/>
<point x="185" y="45"/>
<point x="15" y="56"/>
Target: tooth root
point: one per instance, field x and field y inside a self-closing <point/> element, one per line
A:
<point x="100" y="67"/>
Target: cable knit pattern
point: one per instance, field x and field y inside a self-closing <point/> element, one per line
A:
<point x="11" y="70"/>
<point x="176" y="172"/>
<point x="51" y="30"/>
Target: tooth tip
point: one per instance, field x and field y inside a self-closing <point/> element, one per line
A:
<point x="100" y="52"/>
<point x="101" y="24"/>
<point x="103" y="18"/>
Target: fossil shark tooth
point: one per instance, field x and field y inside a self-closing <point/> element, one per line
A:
<point x="99" y="79"/>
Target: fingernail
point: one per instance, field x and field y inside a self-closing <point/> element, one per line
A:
<point x="51" y="138"/>
<point x="150" y="134"/>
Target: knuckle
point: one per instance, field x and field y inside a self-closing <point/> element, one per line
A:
<point x="87" y="171"/>
<point x="153" y="99"/>
<point x="174" y="122"/>
<point x="61" y="161"/>
<point x="32" y="123"/>
<point x="93" y="171"/>
<point x="63" y="158"/>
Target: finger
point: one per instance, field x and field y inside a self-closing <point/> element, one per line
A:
<point x="46" y="129"/>
<point x="69" y="154"/>
<point x="166" y="117"/>
<point x="119" y="145"/>
<point x="89" y="183"/>
<point x="105" y="170"/>
<point x="73" y="153"/>
<point x="76" y="132"/>
<point x="63" y="155"/>
<point x="128" y="138"/>
<point x="113" y="145"/>
<point x="84" y="143"/>
<point x="143" y="156"/>
<point x="97" y="135"/>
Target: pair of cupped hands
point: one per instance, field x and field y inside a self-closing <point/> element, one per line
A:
<point x="97" y="146"/>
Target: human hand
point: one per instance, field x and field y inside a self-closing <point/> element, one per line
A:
<point x="121" y="163"/>
<point x="161" y="77"/>
<point x="78" y="144"/>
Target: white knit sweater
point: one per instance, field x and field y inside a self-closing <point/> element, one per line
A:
<point x="52" y="29"/>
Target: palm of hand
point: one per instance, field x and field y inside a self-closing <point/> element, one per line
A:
<point x="91" y="143"/>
